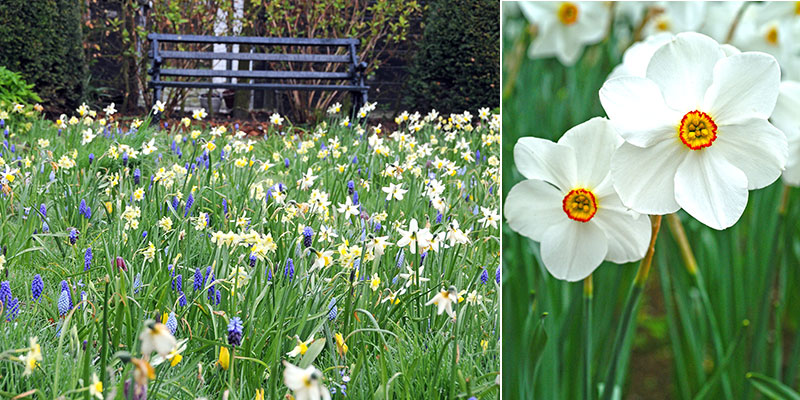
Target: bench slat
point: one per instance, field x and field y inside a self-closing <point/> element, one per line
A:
<point x="208" y="55"/>
<point x="255" y="74"/>
<point x="250" y="86"/>
<point x="256" y="40"/>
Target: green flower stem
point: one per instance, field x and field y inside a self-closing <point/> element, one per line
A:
<point x="630" y="305"/>
<point x="679" y="234"/>
<point x="588" y="293"/>
<point x="762" y="321"/>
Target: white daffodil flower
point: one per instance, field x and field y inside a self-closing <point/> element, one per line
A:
<point x="348" y="208"/>
<point x="414" y="237"/>
<point x="772" y="27"/>
<point x="565" y="27"/>
<point x="637" y="57"/>
<point x="394" y="192"/>
<point x="568" y="203"/>
<point x="786" y="118"/>
<point x="676" y="17"/>
<point x="156" y="337"/>
<point x="696" y="131"/>
<point x="444" y="301"/>
<point x="305" y="382"/>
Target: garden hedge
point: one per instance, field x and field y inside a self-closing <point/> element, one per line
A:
<point x="456" y="66"/>
<point x="42" y="40"/>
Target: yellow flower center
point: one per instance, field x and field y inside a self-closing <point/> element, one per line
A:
<point x="697" y="130"/>
<point x="662" y="25"/>
<point x="772" y="35"/>
<point x="580" y="205"/>
<point x="797" y="8"/>
<point x="568" y="13"/>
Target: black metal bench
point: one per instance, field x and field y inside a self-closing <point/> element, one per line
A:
<point x="351" y="80"/>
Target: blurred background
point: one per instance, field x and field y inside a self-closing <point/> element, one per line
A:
<point x="731" y="331"/>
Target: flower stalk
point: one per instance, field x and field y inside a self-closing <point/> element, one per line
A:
<point x="630" y="305"/>
<point x="588" y="293"/>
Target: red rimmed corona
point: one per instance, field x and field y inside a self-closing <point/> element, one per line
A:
<point x="697" y="130"/>
<point x="568" y="13"/>
<point x="580" y="205"/>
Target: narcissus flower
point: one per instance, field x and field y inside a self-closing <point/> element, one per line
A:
<point x="444" y="301"/>
<point x="96" y="388"/>
<point x="569" y="205"/>
<point x="786" y="118"/>
<point x="305" y="382"/>
<point x="156" y="337"/>
<point x="224" y="359"/>
<point x="696" y="131"/>
<point x="565" y="27"/>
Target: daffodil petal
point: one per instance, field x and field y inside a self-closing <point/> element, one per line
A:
<point x="711" y="190"/>
<point x="628" y="232"/>
<point x="644" y="177"/>
<point x="572" y="250"/>
<point x="745" y="86"/>
<point x="683" y="68"/>
<point x="637" y="110"/>
<point x="538" y="158"/>
<point x="755" y="147"/>
<point x="532" y="206"/>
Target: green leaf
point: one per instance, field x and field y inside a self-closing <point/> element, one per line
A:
<point x="771" y="388"/>
<point x="312" y="353"/>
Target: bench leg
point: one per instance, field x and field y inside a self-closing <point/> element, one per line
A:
<point x="356" y="99"/>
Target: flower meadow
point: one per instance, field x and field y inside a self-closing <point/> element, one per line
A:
<point x="651" y="151"/>
<point x="338" y="260"/>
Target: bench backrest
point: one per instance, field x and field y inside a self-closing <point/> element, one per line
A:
<point x="329" y="52"/>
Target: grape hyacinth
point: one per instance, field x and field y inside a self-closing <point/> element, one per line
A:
<point x="252" y="260"/>
<point x="401" y="259"/>
<point x="43" y="210"/>
<point x="65" y="288"/>
<point x="37" y="286"/>
<point x="332" y="310"/>
<point x="198" y="280"/>
<point x="177" y="283"/>
<point x="137" y="176"/>
<point x="64" y="303"/>
<point x="182" y="300"/>
<point x="308" y="235"/>
<point x="351" y="187"/>
<point x="87" y="259"/>
<point x="225" y="206"/>
<point x="73" y="236"/>
<point x="172" y="323"/>
<point x="484" y="276"/>
<point x="235" y="331"/>
<point x="289" y="270"/>
<point x="84" y="210"/>
<point x="13" y="309"/>
<point x="91" y="158"/>
<point x="189" y="203"/>
<point x="497" y="275"/>
<point x="137" y="283"/>
<point x="5" y="292"/>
